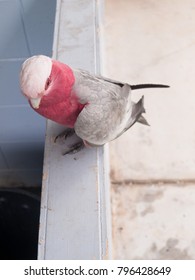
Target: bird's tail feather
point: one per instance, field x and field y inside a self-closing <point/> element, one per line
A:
<point x="142" y="86"/>
<point x="143" y="120"/>
<point x="137" y="111"/>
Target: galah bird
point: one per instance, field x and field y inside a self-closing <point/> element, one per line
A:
<point x="97" y="108"/>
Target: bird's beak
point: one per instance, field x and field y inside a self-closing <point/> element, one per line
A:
<point x="35" y="102"/>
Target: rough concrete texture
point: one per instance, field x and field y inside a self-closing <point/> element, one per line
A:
<point x="153" y="41"/>
<point x="153" y="221"/>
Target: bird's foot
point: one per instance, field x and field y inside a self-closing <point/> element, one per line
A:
<point x="75" y="148"/>
<point x="65" y="134"/>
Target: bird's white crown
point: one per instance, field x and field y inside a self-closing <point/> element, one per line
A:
<point x="34" y="74"/>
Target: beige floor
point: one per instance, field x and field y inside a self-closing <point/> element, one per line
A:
<point x="153" y="168"/>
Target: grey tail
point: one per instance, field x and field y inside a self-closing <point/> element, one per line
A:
<point x="141" y="86"/>
<point x="143" y="120"/>
<point x="136" y="115"/>
<point x="137" y="111"/>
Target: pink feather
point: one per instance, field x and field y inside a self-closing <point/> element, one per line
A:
<point x="60" y="102"/>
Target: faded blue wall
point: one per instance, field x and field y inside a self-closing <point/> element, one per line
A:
<point x="26" y="29"/>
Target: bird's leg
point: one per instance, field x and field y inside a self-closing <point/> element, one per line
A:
<point x="65" y="134"/>
<point x="75" y="148"/>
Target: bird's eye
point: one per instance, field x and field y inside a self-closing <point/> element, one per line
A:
<point x="47" y="83"/>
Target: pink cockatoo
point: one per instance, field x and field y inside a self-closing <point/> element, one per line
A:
<point x="97" y="108"/>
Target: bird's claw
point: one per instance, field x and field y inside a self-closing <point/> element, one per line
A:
<point x="65" y="134"/>
<point x="75" y="148"/>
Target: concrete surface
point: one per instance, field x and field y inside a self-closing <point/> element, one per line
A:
<point x="153" y="41"/>
<point x="153" y="221"/>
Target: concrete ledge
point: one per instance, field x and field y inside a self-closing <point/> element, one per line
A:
<point x="75" y="208"/>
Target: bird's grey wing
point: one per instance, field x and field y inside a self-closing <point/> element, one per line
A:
<point x="105" y="114"/>
<point x="91" y="87"/>
<point x="108" y="115"/>
<point x="101" y="78"/>
<point x="121" y="84"/>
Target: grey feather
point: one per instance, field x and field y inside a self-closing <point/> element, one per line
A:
<point x="143" y="121"/>
<point x="136" y="115"/>
<point x="108" y="112"/>
<point x="133" y="87"/>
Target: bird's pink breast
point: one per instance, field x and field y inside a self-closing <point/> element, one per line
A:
<point x="60" y="103"/>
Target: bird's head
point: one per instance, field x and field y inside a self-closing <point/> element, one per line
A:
<point x="35" y="78"/>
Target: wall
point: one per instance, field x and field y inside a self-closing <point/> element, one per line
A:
<point x="26" y="29"/>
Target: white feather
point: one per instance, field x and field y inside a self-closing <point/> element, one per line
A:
<point x="34" y="74"/>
